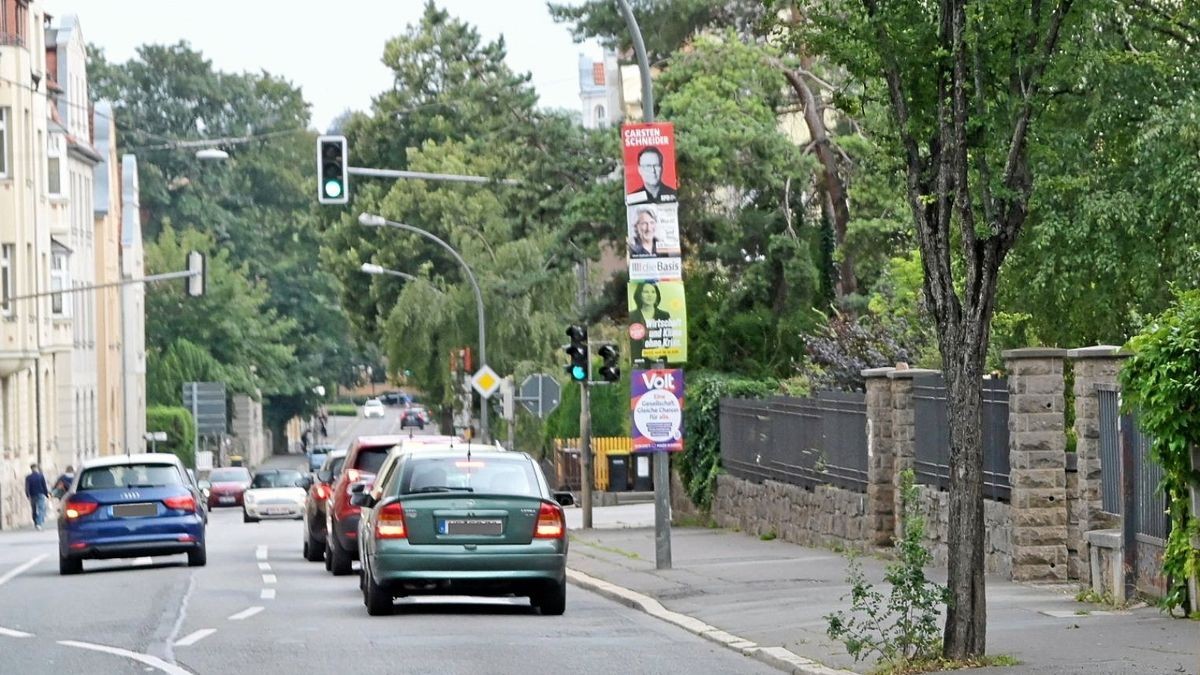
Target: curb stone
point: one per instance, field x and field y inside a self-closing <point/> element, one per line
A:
<point x="776" y="657"/>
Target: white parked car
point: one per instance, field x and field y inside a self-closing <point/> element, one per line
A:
<point x="274" y="493"/>
<point x="372" y="408"/>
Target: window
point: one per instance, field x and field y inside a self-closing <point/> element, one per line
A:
<point x="601" y="118"/>
<point x="60" y="279"/>
<point x="5" y="114"/>
<point x="54" y="165"/>
<point x="8" y="254"/>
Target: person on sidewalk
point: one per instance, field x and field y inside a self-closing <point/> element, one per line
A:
<point x="37" y="491"/>
<point x="63" y="483"/>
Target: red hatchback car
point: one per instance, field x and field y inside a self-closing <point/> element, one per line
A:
<point x="228" y="486"/>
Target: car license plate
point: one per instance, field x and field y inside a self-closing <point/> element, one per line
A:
<point x="135" y="510"/>
<point x="278" y="510"/>
<point x="476" y="526"/>
<point x="226" y="500"/>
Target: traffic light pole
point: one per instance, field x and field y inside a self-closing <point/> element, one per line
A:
<point x="585" y="451"/>
<point x="662" y="466"/>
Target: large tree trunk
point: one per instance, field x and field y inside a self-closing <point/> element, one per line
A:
<point x="966" y="622"/>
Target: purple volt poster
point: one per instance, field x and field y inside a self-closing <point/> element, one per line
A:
<point x="657" y="408"/>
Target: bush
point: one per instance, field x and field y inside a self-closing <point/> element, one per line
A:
<point x="700" y="461"/>
<point x="610" y="411"/>
<point x="342" y="409"/>
<point x="181" y="431"/>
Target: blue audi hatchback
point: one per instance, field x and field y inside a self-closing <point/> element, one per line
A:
<point x="130" y="506"/>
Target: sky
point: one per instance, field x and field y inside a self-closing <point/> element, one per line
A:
<point x="292" y="40"/>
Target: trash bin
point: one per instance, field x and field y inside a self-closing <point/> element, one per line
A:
<point x="618" y="473"/>
<point x="643" y="479"/>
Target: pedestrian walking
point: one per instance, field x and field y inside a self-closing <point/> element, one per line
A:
<point x="37" y="491"/>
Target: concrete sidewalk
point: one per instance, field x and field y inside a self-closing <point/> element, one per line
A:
<point x="775" y="594"/>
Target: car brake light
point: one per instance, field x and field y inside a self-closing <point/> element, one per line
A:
<point x="390" y="524"/>
<point x="321" y="491"/>
<point x="79" y="509"/>
<point x="550" y="522"/>
<point x="181" y="503"/>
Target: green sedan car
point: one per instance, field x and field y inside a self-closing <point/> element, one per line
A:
<point x="463" y="523"/>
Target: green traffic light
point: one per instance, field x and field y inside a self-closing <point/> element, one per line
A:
<point x="333" y="189"/>
<point x="578" y="373"/>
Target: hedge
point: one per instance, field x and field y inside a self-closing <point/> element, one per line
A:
<point x="180" y="428"/>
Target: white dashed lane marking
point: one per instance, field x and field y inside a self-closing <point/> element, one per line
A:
<point x="245" y="614"/>
<point x="265" y="567"/>
<point x="8" y="632"/>
<point x="268" y="578"/>
<point x="195" y="637"/>
<point x="152" y="661"/>
<point x="261" y="553"/>
<point x="267" y="594"/>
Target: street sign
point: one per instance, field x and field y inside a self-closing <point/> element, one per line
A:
<point x="208" y="406"/>
<point x="485" y="381"/>
<point x="540" y="394"/>
<point x="156" y="436"/>
<point x="204" y="460"/>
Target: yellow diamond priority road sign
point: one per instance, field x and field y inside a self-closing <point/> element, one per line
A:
<point x="486" y="381"/>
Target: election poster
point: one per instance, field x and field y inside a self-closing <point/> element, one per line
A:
<point x="649" y="154"/>
<point x="653" y="231"/>
<point x="657" y="407"/>
<point x="657" y="322"/>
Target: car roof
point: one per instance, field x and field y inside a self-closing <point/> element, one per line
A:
<point x="479" y="452"/>
<point x="276" y="469"/>
<point x="377" y="441"/>
<point x="373" y="400"/>
<point x="140" y="458"/>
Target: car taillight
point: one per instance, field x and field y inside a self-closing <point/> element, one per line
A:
<point x="321" y="491"/>
<point x="79" y="509"/>
<point x="181" y="503"/>
<point x="550" y="522"/>
<point x="390" y="523"/>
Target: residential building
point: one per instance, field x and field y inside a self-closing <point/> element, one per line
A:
<point x="133" y="309"/>
<point x="28" y="387"/>
<point x="600" y="91"/>
<point x="109" y="363"/>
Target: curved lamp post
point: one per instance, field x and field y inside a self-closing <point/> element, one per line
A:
<point x="372" y="220"/>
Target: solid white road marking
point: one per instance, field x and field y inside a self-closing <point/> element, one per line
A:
<point x="144" y="560"/>
<point x="146" y="659"/>
<point x="245" y="613"/>
<point x="267" y="594"/>
<point x="261" y="553"/>
<point x="195" y="637"/>
<point x="8" y="632"/>
<point x="265" y="567"/>
<point x="268" y="578"/>
<point x="8" y="577"/>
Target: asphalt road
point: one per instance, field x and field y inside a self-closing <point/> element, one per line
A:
<point x="259" y="608"/>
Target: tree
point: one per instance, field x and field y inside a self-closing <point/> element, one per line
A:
<point x="964" y="83"/>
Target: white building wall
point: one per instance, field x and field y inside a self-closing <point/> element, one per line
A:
<point x="133" y="307"/>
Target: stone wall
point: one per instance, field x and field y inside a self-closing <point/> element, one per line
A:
<point x="934" y="505"/>
<point x="827" y="516"/>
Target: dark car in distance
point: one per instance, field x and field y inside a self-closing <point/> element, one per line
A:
<point x="319" y="487"/>
<point x="411" y="418"/>
<point x="131" y="506"/>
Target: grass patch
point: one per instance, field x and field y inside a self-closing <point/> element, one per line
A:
<point x="769" y="536"/>
<point x="608" y="549"/>
<point x="342" y="409"/>
<point x="688" y="520"/>
<point x="937" y="664"/>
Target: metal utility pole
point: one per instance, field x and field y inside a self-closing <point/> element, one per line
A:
<point x="585" y="451"/>
<point x="662" y="466"/>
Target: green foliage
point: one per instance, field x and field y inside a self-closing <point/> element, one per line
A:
<point x="1010" y="331"/>
<point x="180" y="428"/>
<point x="610" y="411"/>
<point x="342" y="409"/>
<point x="700" y="461"/>
<point x="903" y="627"/>
<point x="1159" y="383"/>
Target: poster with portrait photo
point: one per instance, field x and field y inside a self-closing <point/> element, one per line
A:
<point x="657" y="322"/>
<point x="649" y="154"/>
<point x="653" y="231"/>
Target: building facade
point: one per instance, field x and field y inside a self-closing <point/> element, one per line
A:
<point x="107" y="204"/>
<point x="133" y="310"/>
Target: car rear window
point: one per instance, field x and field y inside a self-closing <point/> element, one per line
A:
<point x="506" y="476"/>
<point x="276" y="479"/>
<point x="229" y="475"/>
<point x="370" y="459"/>
<point x="129" y="476"/>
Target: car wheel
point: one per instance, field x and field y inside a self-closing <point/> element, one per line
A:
<point x="313" y="552"/>
<point x="246" y="517"/>
<point x="551" y="601"/>
<point x="68" y="565"/>
<point x="339" y="560"/>
<point x="328" y="557"/>
<point x="377" y="598"/>
<point x="198" y="557"/>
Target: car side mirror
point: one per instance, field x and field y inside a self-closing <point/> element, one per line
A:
<point x="564" y="498"/>
<point x="325" y="476"/>
<point x="362" y="499"/>
<point x="205" y="485"/>
<point x="304" y="482"/>
<point x="358" y="488"/>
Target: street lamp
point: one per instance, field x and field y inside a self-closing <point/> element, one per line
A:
<point x="373" y="269"/>
<point x="212" y="154"/>
<point x="372" y="220"/>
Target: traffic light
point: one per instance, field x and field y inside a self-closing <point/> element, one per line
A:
<point x="610" y="371"/>
<point x="196" y="282"/>
<point x="578" y="353"/>
<point x="332" y="184"/>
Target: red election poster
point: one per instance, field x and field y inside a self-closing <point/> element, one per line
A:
<point x="649" y="152"/>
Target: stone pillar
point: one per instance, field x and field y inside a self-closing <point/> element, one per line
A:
<point x="1037" y="455"/>
<point x="881" y="492"/>
<point x="904" y="432"/>
<point x="1098" y="365"/>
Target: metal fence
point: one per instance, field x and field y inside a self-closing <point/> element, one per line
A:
<point x="1149" y="507"/>
<point x="802" y="441"/>
<point x="931" y="418"/>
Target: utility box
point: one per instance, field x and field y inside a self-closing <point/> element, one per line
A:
<point x="618" y="473"/>
<point x="643" y="473"/>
